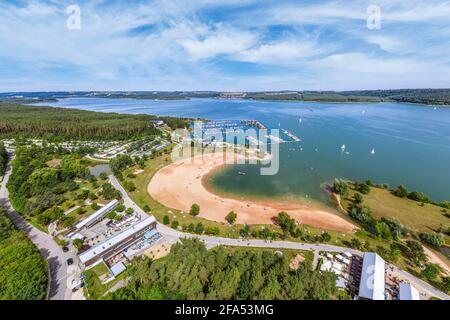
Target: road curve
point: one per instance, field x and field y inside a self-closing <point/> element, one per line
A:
<point x="48" y="248"/>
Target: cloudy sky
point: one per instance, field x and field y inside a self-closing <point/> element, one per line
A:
<point x="223" y="45"/>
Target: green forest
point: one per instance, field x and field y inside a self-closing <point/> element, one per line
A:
<point x="23" y="272"/>
<point x="59" y="124"/>
<point x="191" y="271"/>
<point x="36" y="189"/>
<point x="3" y="159"/>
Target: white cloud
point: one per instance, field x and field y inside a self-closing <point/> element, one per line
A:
<point x="390" y="44"/>
<point x="280" y="53"/>
<point x="358" y="62"/>
<point x="176" y="53"/>
<point x="221" y="41"/>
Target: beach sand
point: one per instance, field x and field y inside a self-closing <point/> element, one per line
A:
<point x="180" y="184"/>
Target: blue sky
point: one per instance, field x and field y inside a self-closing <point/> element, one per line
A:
<point x="228" y="45"/>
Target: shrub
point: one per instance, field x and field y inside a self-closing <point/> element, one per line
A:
<point x="166" y="220"/>
<point x="83" y="194"/>
<point x="212" y="230"/>
<point x="120" y="208"/>
<point x="195" y="210"/>
<point x="362" y="187"/>
<point x="111" y="215"/>
<point x="174" y="224"/>
<point x="340" y="187"/>
<point x="383" y="231"/>
<point x="129" y="211"/>
<point x="325" y="237"/>
<point x="401" y="191"/>
<point x="92" y="196"/>
<point x="435" y="239"/>
<point x="418" y="196"/>
<point x="146" y="208"/>
<point x="80" y="211"/>
<point x="78" y="243"/>
<point x="129" y="186"/>
<point x="231" y="217"/>
<point x="431" y="271"/>
<point x="67" y="221"/>
<point x="199" y="228"/>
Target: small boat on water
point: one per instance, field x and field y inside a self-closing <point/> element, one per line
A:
<point x="343" y="148"/>
<point x="241" y="173"/>
<point x="372" y="152"/>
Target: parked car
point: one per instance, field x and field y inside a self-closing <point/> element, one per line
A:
<point x="69" y="261"/>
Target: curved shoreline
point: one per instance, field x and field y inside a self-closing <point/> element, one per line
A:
<point x="180" y="184"/>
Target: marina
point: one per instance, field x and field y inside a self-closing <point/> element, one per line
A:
<point x="249" y="132"/>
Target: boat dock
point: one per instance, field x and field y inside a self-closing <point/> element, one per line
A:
<point x="291" y="135"/>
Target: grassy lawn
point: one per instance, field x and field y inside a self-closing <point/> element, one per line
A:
<point x="410" y="213"/>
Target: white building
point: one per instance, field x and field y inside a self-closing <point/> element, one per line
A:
<point x="97" y="216"/>
<point x="372" y="277"/>
<point x="408" y="292"/>
<point x="116" y="243"/>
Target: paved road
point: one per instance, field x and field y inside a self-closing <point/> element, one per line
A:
<point x="47" y="247"/>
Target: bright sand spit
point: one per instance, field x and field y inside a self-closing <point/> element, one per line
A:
<point x="180" y="184"/>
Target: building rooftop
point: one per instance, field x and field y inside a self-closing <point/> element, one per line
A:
<point x="98" y="214"/>
<point x="118" y="268"/>
<point x="116" y="239"/>
<point x="372" y="277"/>
<point x="408" y="292"/>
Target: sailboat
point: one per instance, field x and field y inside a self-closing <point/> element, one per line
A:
<point x="372" y="152"/>
<point x="299" y="120"/>
<point x="343" y="148"/>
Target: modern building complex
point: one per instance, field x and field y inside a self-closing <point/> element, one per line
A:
<point x="118" y="243"/>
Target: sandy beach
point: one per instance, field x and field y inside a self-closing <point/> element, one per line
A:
<point x="181" y="184"/>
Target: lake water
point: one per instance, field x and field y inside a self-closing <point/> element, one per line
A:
<point x="99" y="169"/>
<point x="411" y="142"/>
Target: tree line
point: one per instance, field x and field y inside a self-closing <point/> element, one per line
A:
<point x="23" y="272"/>
<point x="60" y="124"/>
<point x="192" y="272"/>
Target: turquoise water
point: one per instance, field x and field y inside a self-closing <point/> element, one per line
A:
<point x="411" y="142"/>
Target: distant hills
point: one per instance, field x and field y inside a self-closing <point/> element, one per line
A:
<point x="422" y="96"/>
